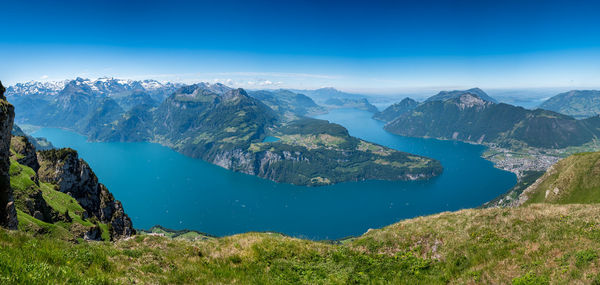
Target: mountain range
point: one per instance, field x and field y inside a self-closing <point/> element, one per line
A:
<point x="323" y="94"/>
<point x="333" y="98"/>
<point x="579" y="104"/>
<point x="407" y="104"/>
<point x="227" y="127"/>
<point x="106" y="86"/>
<point x="467" y="117"/>
<point x="36" y="88"/>
<point x="65" y="103"/>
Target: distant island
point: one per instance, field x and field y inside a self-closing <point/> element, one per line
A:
<point x="222" y="125"/>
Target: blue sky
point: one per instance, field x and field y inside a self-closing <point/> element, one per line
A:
<point x="366" y="46"/>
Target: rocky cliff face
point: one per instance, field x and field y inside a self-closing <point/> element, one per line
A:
<point x="73" y="176"/>
<point x="38" y="143"/>
<point x="262" y="164"/>
<point x="8" y="214"/>
<point x="24" y="152"/>
<point x="28" y="195"/>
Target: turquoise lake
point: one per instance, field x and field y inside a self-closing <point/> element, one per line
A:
<point x="159" y="186"/>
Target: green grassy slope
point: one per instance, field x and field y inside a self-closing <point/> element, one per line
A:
<point x="511" y="197"/>
<point x="62" y="214"/>
<point x="575" y="179"/>
<point x="528" y="245"/>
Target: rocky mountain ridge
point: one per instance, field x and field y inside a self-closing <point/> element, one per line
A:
<point x="73" y="176"/>
<point x="408" y="104"/>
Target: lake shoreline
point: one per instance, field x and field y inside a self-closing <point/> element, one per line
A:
<point x="178" y="192"/>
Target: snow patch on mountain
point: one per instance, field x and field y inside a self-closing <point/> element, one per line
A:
<point x="36" y="87"/>
<point x="103" y="86"/>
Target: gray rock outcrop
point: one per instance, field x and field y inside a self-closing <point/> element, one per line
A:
<point x="73" y="176"/>
<point x="24" y="152"/>
<point x="8" y="214"/>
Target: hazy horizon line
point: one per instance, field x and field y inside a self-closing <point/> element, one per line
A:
<point x="361" y="91"/>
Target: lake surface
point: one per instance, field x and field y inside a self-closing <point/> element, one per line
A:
<point x="270" y="139"/>
<point x="160" y="186"/>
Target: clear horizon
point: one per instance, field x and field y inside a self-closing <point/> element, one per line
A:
<point x="385" y="47"/>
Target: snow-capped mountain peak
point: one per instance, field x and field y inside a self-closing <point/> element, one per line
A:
<point x="104" y="85"/>
<point x="50" y="88"/>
